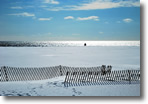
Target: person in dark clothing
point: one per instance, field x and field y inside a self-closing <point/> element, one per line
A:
<point x="84" y="44"/>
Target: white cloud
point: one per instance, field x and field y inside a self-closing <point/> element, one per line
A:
<point x="51" y="2"/>
<point x="55" y="9"/>
<point x="24" y="7"/>
<point x="101" y="32"/>
<point x="16" y="7"/>
<point x="95" y="18"/>
<point x="127" y="20"/>
<point x="24" y="14"/>
<point x="69" y="17"/>
<point x="99" y="4"/>
<point x="44" y="19"/>
<point x="106" y="4"/>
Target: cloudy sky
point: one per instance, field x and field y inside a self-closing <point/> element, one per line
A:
<point x="39" y="20"/>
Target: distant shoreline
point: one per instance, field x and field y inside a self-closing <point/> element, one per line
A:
<point x="66" y="43"/>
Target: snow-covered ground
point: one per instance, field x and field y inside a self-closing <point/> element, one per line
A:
<point x="69" y="56"/>
<point x="119" y="57"/>
<point x="55" y="87"/>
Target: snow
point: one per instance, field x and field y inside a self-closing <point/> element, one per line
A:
<point x="120" y="57"/>
<point x="69" y="56"/>
<point x="55" y="87"/>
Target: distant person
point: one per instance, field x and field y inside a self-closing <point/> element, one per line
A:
<point x="84" y="44"/>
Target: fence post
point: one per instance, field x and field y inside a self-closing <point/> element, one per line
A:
<point x="60" y="70"/>
<point x="0" y="74"/>
<point x="5" y="73"/>
<point x="66" y="78"/>
<point x="129" y="78"/>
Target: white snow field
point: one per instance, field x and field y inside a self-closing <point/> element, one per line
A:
<point x="120" y="57"/>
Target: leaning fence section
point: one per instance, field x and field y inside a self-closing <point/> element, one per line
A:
<point x="80" y="78"/>
<point x="24" y="74"/>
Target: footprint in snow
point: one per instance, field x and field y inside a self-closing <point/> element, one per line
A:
<point x="76" y="92"/>
<point x="41" y="86"/>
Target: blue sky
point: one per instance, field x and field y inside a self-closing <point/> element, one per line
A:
<point x="45" y="20"/>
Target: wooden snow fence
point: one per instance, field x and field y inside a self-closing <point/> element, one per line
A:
<point x="80" y="78"/>
<point x="74" y="76"/>
<point x="36" y="73"/>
